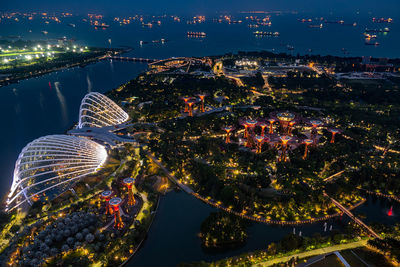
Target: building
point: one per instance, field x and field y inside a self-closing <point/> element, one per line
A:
<point x="50" y="165"/>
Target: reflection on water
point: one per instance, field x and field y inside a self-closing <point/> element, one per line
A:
<point x="89" y="82"/>
<point x="63" y="104"/>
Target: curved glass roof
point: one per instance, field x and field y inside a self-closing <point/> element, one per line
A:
<point x="49" y="165"/>
<point x="97" y="110"/>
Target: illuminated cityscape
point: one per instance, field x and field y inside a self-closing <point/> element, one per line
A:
<point x="159" y="133"/>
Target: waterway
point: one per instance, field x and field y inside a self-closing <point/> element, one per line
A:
<point x="174" y="234"/>
<point x="49" y="105"/>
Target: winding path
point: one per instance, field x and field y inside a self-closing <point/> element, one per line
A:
<point x="189" y="191"/>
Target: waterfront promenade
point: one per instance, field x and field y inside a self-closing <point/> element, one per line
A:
<point x="315" y="252"/>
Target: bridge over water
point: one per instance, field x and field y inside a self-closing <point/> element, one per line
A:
<point x="134" y="59"/>
<point x="353" y="217"/>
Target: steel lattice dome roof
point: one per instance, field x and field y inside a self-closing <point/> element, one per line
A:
<point x="97" y="110"/>
<point x="50" y="165"/>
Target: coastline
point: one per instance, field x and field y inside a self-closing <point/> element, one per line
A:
<point x="141" y="242"/>
<point x="15" y="79"/>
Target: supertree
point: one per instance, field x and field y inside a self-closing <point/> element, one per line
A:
<point x="334" y="132"/>
<point x="259" y="140"/>
<point x="262" y="125"/>
<point x="228" y="130"/>
<point x="307" y="143"/>
<point x="186" y="100"/>
<point x="190" y="104"/>
<point x="271" y="126"/>
<point x="250" y="132"/>
<point x="285" y="118"/>
<point x="115" y="203"/>
<point x="290" y="128"/>
<point x="106" y="196"/>
<point x="284" y="139"/>
<point x="202" y="97"/>
<point x="128" y="182"/>
<point x="315" y="124"/>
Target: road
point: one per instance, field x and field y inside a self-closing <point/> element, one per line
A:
<point x="314" y="252"/>
<point x="169" y="175"/>
<point x="328" y="179"/>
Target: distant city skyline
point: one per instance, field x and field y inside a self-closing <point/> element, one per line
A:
<point x="207" y="7"/>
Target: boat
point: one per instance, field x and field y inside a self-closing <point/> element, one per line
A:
<point x="196" y="34"/>
<point x="374" y="43"/>
<point x="382" y="20"/>
<point x="369" y="36"/>
<point x="305" y="20"/>
<point x="45" y="32"/>
<point x="376" y="30"/>
<point x="104" y="26"/>
<point x="316" y="26"/>
<point x="261" y="33"/>
<point x="269" y="23"/>
<point x="72" y="25"/>
<point x="147" y="24"/>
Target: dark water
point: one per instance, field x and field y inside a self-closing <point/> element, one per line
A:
<point x="376" y="210"/>
<point x="32" y="108"/>
<point x="222" y="37"/>
<point x="173" y="236"/>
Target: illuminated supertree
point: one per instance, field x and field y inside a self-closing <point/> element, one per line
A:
<point x="202" y="96"/>
<point x="115" y="203"/>
<point x="128" y="182"/>
<point x="259" y="140"/>
<point x="252" y="124"/>
<point x="250" y="132"/>
<point x="285" y="118"/>
<point x="315" y="124"/>
<point x="285" y="139"/>
<point x="307" y="142"/>
<point x="334" y="132"/>
<point x="190" y="104"/>
<point x="246" y="130"/>
<point x="271" y="126"/>
<point x="228" y="130"/>
<point x="186" y="99"/>
<point x="290" y="128"/>
<point x="262" y="125"/>
<point x="106" y="196"/>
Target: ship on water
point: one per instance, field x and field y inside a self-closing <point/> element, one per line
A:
<point x="374" y="43"/>
<point x="196" y="34"/>
<point x="261" y="33"/>
<point x="369" y="36"/>
<point x="316" y="26"/>
<point x="377" y="30"/>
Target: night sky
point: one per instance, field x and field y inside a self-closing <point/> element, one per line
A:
<point x="206" y="7"/>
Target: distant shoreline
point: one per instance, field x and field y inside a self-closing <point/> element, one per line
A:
<point x="15" y="78"/>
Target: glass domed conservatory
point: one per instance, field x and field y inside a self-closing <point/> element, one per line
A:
<point x="97" y="110"/>
<point x="48" y="166"/>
